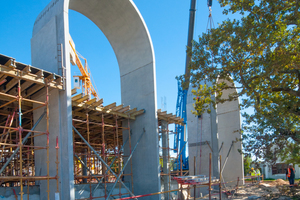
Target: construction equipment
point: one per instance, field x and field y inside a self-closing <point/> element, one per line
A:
<point x="180" y="138"/>
<point x="85" y="78"/>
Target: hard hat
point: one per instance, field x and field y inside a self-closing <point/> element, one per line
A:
<point x="252" y="168"/>
<point x="291" y="164"/>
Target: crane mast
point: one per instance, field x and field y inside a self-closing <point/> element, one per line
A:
<point x="180" y="137"/>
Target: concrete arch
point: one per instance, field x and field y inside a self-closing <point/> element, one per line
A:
<point x="125" y="29"/>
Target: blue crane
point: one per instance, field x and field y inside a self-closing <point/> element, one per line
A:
<point x="180" y="138"/>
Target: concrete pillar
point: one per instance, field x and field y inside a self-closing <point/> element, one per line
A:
<point x="50" y="29"/>
<point x="166" y="167"/>
<point x="218" y="129"/>
<point x="124" y="27"/>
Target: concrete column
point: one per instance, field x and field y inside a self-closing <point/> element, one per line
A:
<point x="50" y="29"/>
<point x="166" y="167"/>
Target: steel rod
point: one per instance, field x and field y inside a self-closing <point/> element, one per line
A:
<point x="110" y="166"/>
<point x="129" y="158"/>
<point x="24" y="141"/>
<point x="99" y="157"/>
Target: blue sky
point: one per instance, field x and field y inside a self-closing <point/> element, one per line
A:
<point x="167" y="21"/>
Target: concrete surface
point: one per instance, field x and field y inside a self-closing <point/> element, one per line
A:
<point x="166" y="167"/>
<point x="126" y="31"/>
<point x="82" y="191"/>
<point x="222" y="125"/>
<point x="7" y="193"/>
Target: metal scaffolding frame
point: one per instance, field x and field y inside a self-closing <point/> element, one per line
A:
<point x="19" y="82"/>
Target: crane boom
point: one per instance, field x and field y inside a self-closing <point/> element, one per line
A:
<point x="87" y="86"/>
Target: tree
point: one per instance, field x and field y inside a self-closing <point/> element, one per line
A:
<point x="247" y="163"/>
<point x="260" y="53"/>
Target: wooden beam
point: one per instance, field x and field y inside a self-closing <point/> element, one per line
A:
<point x="32" y="90"/>
<point x="40" y="74"/>
<point x="25" y="85"/>
<point x="98" y="103"/>
<point x="91" y="101"/>
<point x="94" y="118"/>
<point x="125" y="109"/>
<point x="59" y="81"/>
<point x="27" y="69"/>
<point x="138" y="113"/>
<point x="3" y="77"/>
<point x="84" y="98"/>
<point x="73" y="91"/>
<point x="51" y="77"/>
<point x="110" y="106"/>
<point x="117" y="108"/>
<point x="11" y="63"/>
<point x="11" y="84"/>
<point x="27" y="76"/>
<point x="130" y="111"/>
<point x="76" y="97"/>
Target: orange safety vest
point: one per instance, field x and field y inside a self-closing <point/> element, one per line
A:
<point x="289" y="172"/>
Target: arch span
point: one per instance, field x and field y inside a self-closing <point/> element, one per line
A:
<point x="125" y="29"/>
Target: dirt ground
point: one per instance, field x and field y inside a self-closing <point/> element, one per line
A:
<point x="268" y="190"/>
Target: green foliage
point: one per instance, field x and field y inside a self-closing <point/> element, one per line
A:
<point x="247" y="163"/>
<point x="260" y="53"/>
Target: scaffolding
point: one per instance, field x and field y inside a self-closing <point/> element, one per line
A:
<point x="99" y="146"/>
<point x="99" y="158"/>
<point x="19" y="82"/>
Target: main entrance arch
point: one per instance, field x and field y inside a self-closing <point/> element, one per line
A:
<point x="122" y="24"/>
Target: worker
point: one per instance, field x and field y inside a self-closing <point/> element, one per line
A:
<point x="257" y="174"/>
<point x="290" y="174"/>
<point x="253" y="174"/>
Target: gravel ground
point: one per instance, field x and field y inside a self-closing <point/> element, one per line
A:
<point x="268" y="190"/>
<point x="275" y="190"/>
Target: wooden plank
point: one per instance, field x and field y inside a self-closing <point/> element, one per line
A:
<point x="78" y="96"/>
<point x="84" y="98"/>
<point x="3" y="77"/>
<point x="32" y="90"/>
<point x="124" y="109"/>
<point x="25" y="85"/>
<point x="73" y="91"/>
<point x="110" y="106"/>
<point x="94" y="118"/>
<point x="138" y="113"/>
<point x="40" y="74"/>
<point x="130" y="111"/>
<point x="11" y="84"/>
<point x="27" y="76"/>
<point x="27" y="69"/>
<point x="11" y="63"/>
<point x="117" y="108"/>
<point x="91" y="101"/>
<point x="98" y="103"/>
<point x="59" y="81"/>
<point x="51" y="77"/>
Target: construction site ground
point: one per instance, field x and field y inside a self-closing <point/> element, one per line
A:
<point x="268" y="190"/>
